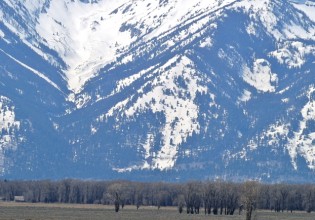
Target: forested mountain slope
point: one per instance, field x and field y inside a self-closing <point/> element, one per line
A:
<point x="165" y="90"/>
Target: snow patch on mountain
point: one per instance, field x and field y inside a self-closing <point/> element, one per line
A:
<point x="246" y="96"/>
<point x="271" y="137"/>
<point x="276" y="133"/>
<point x="170" y="17"/>
<point x="261" y="11"/>
<point x="174" y="101"/>
<point x="260" y="76"/>
<point x="27" y="11"/>
<point x="126" y="82"/>
<point x="304" y="139"/>
<point x="206" y="43"/>
<point x="8" y="128"/>
<point x="80" y="100"/>
<point x="308" y="8"/>
<point x="302" y="142"/>
<point x="31" y="6"/>
<point x="7" y="116"/>
<point x="264" y="13"/>
<point x="293" y="53"/>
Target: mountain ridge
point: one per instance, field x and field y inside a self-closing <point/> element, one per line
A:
<point x="225" y="88"/>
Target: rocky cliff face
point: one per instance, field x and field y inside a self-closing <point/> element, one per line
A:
<point x="157" y="89"/>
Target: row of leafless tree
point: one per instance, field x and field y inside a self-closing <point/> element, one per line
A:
<point x="210" y="197"/>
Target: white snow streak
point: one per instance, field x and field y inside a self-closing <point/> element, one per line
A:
<point x="1" y="34"/>
<point x="33" y="70"/>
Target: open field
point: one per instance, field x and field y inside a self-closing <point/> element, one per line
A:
<point x="39" y="211"/>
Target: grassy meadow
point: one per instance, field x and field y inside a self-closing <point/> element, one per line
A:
<point x="40" y="211"/>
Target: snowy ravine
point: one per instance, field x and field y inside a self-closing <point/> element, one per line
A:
<point x="89" y="36"/>
<point x="121" y="88"/>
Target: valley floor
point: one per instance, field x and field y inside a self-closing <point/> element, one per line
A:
<point x="39" y="211"/>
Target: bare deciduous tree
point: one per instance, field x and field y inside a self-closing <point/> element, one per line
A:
<point x="249" y="197"/>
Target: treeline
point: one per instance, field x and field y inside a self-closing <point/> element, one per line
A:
<point x="211" y="197"/>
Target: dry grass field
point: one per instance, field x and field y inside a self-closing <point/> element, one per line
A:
<point x="27" y="211"/>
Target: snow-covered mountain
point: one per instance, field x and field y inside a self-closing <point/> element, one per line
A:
<point x="148" y="89"/>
